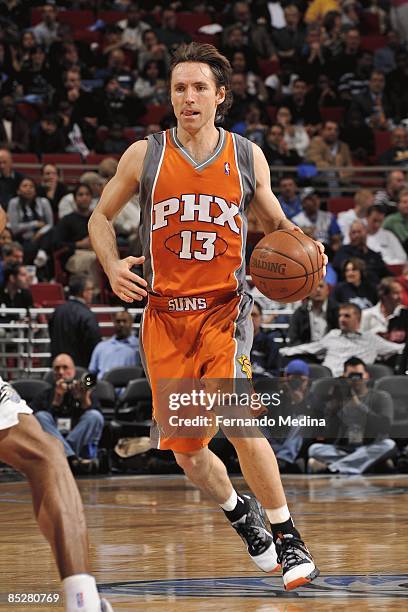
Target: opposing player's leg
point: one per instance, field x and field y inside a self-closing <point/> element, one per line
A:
<point x="57" y="504"/>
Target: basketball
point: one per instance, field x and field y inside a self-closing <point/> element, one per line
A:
<point x="286" y="266"/>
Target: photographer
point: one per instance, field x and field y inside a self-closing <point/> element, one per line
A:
<point x="69" y="412"/>
<point x="358" y="420"/>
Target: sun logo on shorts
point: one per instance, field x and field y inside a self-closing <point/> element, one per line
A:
<point x="246" y="365"/>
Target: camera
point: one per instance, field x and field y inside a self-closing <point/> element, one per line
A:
<point x="87" y="381"/>
<point x="71" y="405"/>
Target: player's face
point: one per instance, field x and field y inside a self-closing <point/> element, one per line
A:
<point x="194" y="95"/>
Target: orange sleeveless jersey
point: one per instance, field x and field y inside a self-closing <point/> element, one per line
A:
<point x="193" y="215"/>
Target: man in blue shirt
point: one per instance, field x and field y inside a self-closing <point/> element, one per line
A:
<point x="288" y="197"/>
<point x="121" y="350"/>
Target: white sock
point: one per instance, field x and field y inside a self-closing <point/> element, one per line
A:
<point x="231" y="502"/>
<point x="81" y="594"/>
<point x="278" y="515"/>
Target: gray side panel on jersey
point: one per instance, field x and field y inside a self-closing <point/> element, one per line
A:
<point x="244" y="333"/>
<point x="245" y="164"/>
<point x="154" y="430"/>
<point x="150" y="166"/>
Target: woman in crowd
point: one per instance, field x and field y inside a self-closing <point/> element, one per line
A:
<point x="355" y="288"/>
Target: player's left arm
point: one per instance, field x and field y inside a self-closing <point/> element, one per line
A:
<point x="266" y="205"/>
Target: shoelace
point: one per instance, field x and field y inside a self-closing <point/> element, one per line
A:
<point x="291" y="549"/>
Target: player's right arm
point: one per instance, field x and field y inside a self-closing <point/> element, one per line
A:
<point x="125" y="284"/>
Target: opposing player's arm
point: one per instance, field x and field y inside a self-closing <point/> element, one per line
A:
<point x="265" y="204"/>
<point x="119" y="190"/>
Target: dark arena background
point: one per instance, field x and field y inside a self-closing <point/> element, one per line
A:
<point x="322" y="88"/>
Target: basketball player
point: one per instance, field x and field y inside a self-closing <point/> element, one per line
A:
<point x="195" y="182"/>
<point x="57" y="504"/>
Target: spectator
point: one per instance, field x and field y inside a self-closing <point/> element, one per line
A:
<point x="169" y="33"/>
<point x="295" y="136"/>
<point x="397" y="155"/>
<point x="399" y="19"/>
<point x="5" y="237"/>
<point x="289" y="40"/>
<point x="355" y="288"/>
<point x="133" y="28"/>
<point x="345" y="61"/>
<point x="11" y="253"/>
<point x="256" y="35"/>
<point x="119" y="351"/>
<point x="51" y="187"/>
<point x="403" y="280"/>
<point x="355" y="83"/>
<point x="71" y="408"/>
<point x="313" y="319"/>
<point x="30" y="218"/>
<point x="72" y="232"/>
<point x="293" y="401"/>
<point x="327" y="151"/>
<point x="288" y="197"/>
<point x="312" y="60"/>
<point x="338" y="345"/>
<point x="389" y="197"/>
<point x="254" y="126"/>
<point x="47" y="136"/>
<point x="46" y="32"/>
<point x="376" y="268"/>
<point x="319" y="224"/>
<point x="360" y="419"/>
<point x="35" y="77"/>
<point x="375" y="105"/>
<point x="397" y="223"/>
<point x="363" y="199"/>
<point x="358" y="136"/>
<point x="276" y="150"/>
<point x="73" y="327"/>
<point x="383" y="241"/>
<point x="302" y="107"/>
<point x="265" y="358"/>
<point x="153" y="50"/>
<point x="377" y="318"/>
<point x="16" y="292"/>
<point x="241" y="99"/>
<point x="95" y="183"/>
<point x="116" y="141"/>
<point x="14" y="131"/>
<point x="384" y="58"/>
<point x="9" y="178"/>
<point x="333" y="43"/>
<point x="150" y="87"/>
<point x="235" y="41"/>
<point x="317" y="10"/>
<point x="117" y="104"/>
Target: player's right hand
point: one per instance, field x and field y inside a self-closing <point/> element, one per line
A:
<point x="127" y="285"/>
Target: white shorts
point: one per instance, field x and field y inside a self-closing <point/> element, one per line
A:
<point x="11" y="405"/>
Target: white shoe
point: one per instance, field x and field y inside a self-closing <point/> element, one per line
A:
<point x="105" y="606"/>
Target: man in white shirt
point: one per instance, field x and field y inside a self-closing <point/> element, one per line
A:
<point x="381" y="240"/>
<point x="363" y="199"/>
<point x="340" y="344"/>
<point x="376" y="319"/>
<point x="133" y="29"/>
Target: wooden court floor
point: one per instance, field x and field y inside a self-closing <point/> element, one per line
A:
<point x="157" y="545"/>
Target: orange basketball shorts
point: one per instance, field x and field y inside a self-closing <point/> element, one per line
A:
<point x="186" y="339"/>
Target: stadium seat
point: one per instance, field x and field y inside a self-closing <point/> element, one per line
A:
<point x="370" y="23"/>
<point x="397" y="387"/>
<point x="25" y="158"/>
<point x="372" y="43"/>
<point x="61" y="158"/>
<point x="332" y="113"/>
<point x="29" y="388"/>
<point x="192" y="22"/>
<point x="111" y="16"/>
<point x="136" y="402"/>
<point x="47" y="292"/>
<point x="271" y="111"/>
<point x="105" y="394"/>
<point x="382" y="141"/>
<point x="378" y="370"/>
<point x="154" y="114"/>
<point x="268" y="67"/>
<point x="319" y="371"/>
<point x="77" y="19"/>
<point x="336" y="205"/>
<point x="208" y="39"/>
<point x="120" y="377"/>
